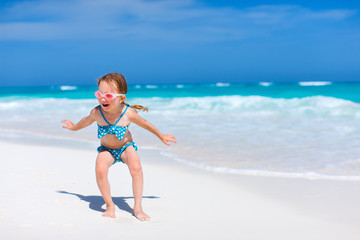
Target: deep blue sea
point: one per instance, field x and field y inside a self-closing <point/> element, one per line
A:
<point x="302" y="129"/>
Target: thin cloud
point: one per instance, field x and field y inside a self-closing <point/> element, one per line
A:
<point x="162" y="20"/>
<point x="337" y="14"/>
<point x="292" y="14"/>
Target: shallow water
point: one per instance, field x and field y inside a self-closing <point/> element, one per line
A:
<point x="300" y="129"/>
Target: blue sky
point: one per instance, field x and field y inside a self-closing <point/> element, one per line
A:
<point x="73" y="42"/>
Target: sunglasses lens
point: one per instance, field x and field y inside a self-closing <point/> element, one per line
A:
<point x="109" y="96"/>
<point x="97" y="94"/>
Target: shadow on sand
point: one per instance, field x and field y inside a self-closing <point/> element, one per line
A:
<point x="96" y="202"/>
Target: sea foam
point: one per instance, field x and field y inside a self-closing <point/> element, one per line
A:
<point x="68" y="88"/>
<point x="319" y="83"/>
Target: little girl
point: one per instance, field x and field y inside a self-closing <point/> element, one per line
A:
<point x="113" y="117"/>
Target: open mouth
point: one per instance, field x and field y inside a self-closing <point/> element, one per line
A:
<point x="105" y="105"/>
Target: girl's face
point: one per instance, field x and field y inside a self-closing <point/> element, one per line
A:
<point x="106" y="104"/>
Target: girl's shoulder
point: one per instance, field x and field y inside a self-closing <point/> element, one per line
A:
<point x="130" y="111"/>
<point x="94" y="112"/>
<point x="132" y="114"/>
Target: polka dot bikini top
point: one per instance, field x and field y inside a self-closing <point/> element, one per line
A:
<point x="112" y="128"/>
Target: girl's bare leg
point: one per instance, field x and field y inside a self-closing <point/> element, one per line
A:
<point x="132" y="160"/>
<point x="103" y="163"/>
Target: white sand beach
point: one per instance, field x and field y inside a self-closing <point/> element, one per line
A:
<point x="51" y="192"/>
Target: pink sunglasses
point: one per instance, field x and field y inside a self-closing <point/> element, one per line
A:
<point x="108" y="96"/>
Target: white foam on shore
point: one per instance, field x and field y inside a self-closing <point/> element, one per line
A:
<point x="260" y="173"/>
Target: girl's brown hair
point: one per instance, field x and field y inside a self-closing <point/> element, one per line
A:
<point x="119" y="82"/>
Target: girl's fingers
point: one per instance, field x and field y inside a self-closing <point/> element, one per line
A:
<point x="169" y="138"/>
<point x="68" y="123"/>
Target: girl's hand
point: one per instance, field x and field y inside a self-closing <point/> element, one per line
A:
<point x="166" y="138"/>
<point x="69" y="124"/>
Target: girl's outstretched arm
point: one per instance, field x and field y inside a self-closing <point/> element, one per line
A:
<point x="165" y="138"/>
<point x="84" y="122"/>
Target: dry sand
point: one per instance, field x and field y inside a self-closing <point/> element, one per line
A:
<point x="51" y="192"/>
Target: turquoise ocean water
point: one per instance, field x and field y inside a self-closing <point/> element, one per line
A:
<point x="304" y="129"/>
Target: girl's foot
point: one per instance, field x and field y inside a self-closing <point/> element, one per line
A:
<point x="139" y="214"/>
<point x="110" y="212"/>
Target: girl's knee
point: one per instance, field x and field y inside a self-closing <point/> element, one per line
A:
<point x="135" y="169"/>
<point x="132" y="160"/>
<point x="103" y="163"/>
<point x="101" y="170"/>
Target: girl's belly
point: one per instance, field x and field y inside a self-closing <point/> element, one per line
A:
<point x="111" y="141"/>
